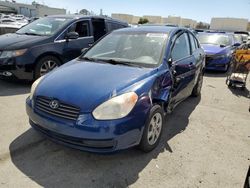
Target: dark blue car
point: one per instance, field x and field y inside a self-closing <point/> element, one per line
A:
<point x="115" y="95"/>
<point x="219" y="48"/>
<point x="49" y="42"/>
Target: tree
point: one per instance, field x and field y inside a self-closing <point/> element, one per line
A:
<point x="201" y="25"/>
<point x="143" y="21"/>
<point x="84" y="12"/>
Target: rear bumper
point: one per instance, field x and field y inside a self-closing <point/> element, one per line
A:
<point x="90" y="135"/>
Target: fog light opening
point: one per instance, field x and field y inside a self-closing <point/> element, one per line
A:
<point x="7" y="73"/>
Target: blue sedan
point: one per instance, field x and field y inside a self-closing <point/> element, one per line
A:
<point x="114" y="96"/>
<point x="219" y="48"/>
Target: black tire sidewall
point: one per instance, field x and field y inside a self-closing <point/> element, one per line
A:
<point x="40" y="63"/>
<point x="144" y="145"/>
<point x="195" y="92"/>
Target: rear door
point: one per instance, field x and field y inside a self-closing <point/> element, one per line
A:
<point x="72" y="48"/>
<point x="183" y="67"/>
<point x="198" y="55"/>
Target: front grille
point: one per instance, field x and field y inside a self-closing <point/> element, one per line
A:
<point x="64" y="110"/>
<point x="209" y="58"/>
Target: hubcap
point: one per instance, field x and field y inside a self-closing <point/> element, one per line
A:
<point x="154" y="128"/>
<point x="47" y="66"/>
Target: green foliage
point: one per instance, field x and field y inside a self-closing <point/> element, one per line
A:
<point x="143" y="21"/>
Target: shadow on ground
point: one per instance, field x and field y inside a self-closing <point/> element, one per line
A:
<point x="52" y="165"/>
<point x="13" y="87"/>
<point x="239" y="92"/>
<point x="215" y="74"/>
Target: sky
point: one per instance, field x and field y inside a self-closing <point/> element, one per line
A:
<point x="200" y="10"/>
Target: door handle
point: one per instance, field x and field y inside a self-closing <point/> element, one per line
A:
<point x="90" y="44"/>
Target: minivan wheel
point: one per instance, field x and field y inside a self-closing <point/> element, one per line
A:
<point x="197" y="88"/>
<point x="45" y="65"/>
<point x="153" y="129"/>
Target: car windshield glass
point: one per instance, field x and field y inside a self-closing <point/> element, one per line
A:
<point x="142" y="49"/>
<point x="238" y="38"/>
<point x="216" y="39"/>
<point x="45" y="26"/>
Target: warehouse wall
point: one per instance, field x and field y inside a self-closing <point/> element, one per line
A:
<point x="229" y="24"/>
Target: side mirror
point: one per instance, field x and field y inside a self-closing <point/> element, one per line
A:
<point x="72" y="35"/>
<point x="84" y="50"/>
<point x="237" y="44"/>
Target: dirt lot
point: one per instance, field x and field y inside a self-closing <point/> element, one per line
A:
<point x="206" y="143"/>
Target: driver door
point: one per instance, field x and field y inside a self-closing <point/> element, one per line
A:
<point x="72" y="48"/>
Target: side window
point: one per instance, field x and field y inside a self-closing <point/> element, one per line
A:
<point x="181" y="47"/>
<point x="192" y="42"/>
<point x="82" y="28"/>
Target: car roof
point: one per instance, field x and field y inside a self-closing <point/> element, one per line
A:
<point x="80" y="16"/>
<point x="151" y="29"/>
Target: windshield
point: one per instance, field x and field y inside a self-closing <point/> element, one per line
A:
<point x="238" y="38"/>
<point x="143" y="49"/>
<point x="45" y="26"/>
<point x="217" y="39"/>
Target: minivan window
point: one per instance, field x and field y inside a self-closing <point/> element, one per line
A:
<point x="82" y="28"/>
<point x="133" y="48"/>
<point x="44" y="26"/>
<point x="181" y="47"/>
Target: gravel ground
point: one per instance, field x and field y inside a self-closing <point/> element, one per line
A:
<point x="206" y="143"/>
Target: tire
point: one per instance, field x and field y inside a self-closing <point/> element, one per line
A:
<point x="197" y="88"/>
<point x="152" y="131"/>
<point x="45" y="65"/>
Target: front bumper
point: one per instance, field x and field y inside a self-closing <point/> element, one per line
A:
<point x="219" y="64"/>
<point x="87" y="133"/>
<point x="14" y="68"/>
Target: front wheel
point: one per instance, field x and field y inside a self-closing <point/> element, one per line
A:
<point x="45" y="65"/>
<point x="153" y="129"/>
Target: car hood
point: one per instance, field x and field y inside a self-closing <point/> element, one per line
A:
<point x="14" y="41"/>
<point x="88" y="84"/>
<point x="211" y="49"/>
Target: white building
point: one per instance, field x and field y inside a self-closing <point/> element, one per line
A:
<point x="174" y="20"/>
<point x="33" y="10"/>
<point x="229" y="24"/>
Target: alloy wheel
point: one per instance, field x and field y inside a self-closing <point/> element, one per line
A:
<point x="154" y="128"/>
<point x="47" y="66"/>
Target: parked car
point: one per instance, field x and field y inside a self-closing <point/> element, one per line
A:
<point x="47" y="43"/>
<point x="219" y="48"/>
<point x="244" y="35"/>
<point x="114" y="95"/>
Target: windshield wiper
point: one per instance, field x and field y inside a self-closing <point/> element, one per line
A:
<point x="34" y="34"/>
<point x="117" y="62"/>
<point x="88" y="58"/>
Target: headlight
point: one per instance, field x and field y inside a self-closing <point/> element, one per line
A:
<point x="9" y="54"/>
<point x="117" y="107"/>
<point x="34" y="86"/>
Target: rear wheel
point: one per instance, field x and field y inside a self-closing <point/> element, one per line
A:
<point x="45" y="65"/>
<point x="197" y="88"/>
<point x="153" y="129"/>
